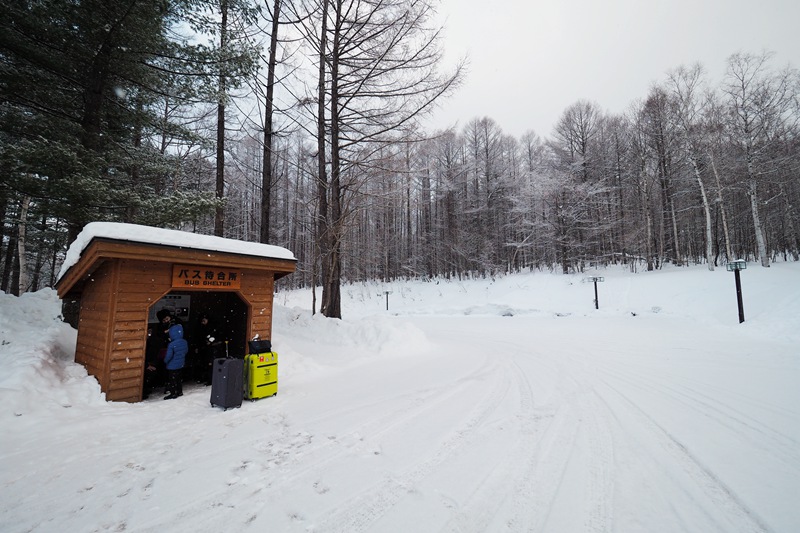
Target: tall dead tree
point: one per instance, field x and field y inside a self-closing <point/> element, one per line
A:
<point x="219" y="216"/>
<point x="378" y="73"/>
<point x="267" y="178"/>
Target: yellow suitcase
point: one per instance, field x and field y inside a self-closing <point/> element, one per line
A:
<point x="262" y="375"/>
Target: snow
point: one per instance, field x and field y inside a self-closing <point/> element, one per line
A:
<point x="167" y="237"/>
<point x="505" y="404"/>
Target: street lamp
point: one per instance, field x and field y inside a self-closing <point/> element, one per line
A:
<point x="595" y="280"/>
<point x="735" y="266"/>
<point x="387" y="293"/>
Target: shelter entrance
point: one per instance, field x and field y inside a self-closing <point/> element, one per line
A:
<point x="225" y="310"/>
<point x="227" y="319"/>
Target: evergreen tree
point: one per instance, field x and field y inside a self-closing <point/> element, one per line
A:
<point x="84" y="85"/>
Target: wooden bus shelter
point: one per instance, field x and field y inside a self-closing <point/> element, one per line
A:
<point x="119" y="275"/>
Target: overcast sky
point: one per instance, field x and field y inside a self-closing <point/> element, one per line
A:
<point x="531" y="59"/>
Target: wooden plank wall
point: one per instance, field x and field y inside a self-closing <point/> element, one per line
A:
<point x="97" y="304"/>
<point x="257" y="291"/>
<point x="140" y="285"/>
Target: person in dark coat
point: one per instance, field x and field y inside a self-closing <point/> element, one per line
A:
<point x="208" y="346"/>
<point x="153" y="366"/>
<point x="166" y="320"/>
<point x="174" y="360"/>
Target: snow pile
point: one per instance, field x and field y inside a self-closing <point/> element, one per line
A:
<point x="690" y="292"/>
<point x="309" y="342"/>
<point x="38" y="350"/>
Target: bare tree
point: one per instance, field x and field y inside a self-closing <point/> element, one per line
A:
<point x="219" y="217"/>
<point x="662" y="138"/>
<point x="643" y="161"/>
<point x="575" y="147"/>
<point x="267" y="178"/>
<point x="378" y="62"/>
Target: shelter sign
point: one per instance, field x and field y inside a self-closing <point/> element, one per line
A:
<point x="205" y="277"/>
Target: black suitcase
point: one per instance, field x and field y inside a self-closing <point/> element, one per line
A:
<point x="227" y="383"/>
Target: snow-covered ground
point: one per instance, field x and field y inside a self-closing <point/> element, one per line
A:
<point x="484" y="405"/>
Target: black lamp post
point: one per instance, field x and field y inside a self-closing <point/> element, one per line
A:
<point x="387" y="293"/>
<point x="595" y="280"/>
<point x="735" y="266"/>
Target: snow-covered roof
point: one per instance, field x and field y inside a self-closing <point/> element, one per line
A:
<point x="167" y="237"/>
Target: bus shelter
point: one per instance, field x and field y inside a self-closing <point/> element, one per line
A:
<point x="116" y="277"/>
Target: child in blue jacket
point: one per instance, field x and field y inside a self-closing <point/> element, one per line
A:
<point x="174" y="360"/>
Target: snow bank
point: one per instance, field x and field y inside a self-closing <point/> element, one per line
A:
<point x="693" y="292"/>
<point x="308" y="343"/>
<point x="37" y="357"/>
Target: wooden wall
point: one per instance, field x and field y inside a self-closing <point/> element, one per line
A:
<point x="258" y="289"/>
<point x="94" y="325"/>
<point x="140" y="285"/>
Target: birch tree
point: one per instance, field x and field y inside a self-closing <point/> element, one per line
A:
<point x="685" y="85"/>
<point x="760" y="107"/>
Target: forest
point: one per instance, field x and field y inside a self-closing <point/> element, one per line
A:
<point x="303" y="124"/>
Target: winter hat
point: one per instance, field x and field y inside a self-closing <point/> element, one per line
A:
<point x="162" y="314"/>
<point x="176" y="332"/>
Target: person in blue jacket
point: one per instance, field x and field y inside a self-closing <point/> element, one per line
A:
<point x="174" y="360"/>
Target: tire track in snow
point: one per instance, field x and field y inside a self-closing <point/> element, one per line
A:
<point x="364" y="509"/>
<point x="542" y="462"/>
<point x="580" y="418"/>
<point x="525" y="486"/>
<point x="517" y="480"/>
<point x="601" y="486"/>
<point x="784" y="447"/>
<point x="379" y="425"/>
<point x="509" y="475"/>
<point x="714" y="488"/>
<point x="299" y="453"/>
<point x="418" y="397"/>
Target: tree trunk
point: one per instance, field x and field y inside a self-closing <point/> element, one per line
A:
<point x="219" y="215"/>
<point x="21" y="242"/>
<point x="426" y="222"/>
<point x="707" y="211"/>
<point x="323" y="234"/>
<point x="3" y="234"/>
<point x="135" y="174"/>
<point x="761" y="244"/>
<point x="266" y="173"/>
<point x="40" y="256"/>
<point x="674" y="220"/>
<point x="729" y="254"/>
<point x="9" y="263"/>
<point x="792" y="240"/>
<point x="331" y="289"/>
<point x="649" y="237"/>
<point x="648" y="214"/>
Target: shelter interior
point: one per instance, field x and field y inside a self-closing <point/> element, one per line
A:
<point x="225" y="312"/>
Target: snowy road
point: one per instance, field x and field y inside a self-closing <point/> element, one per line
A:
<point x="499" y="424"/>
<point x="592" y="437"/>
